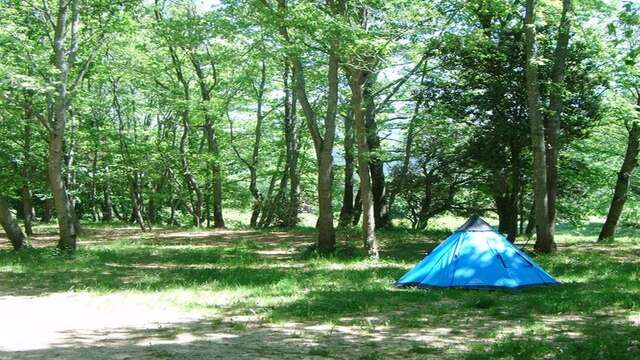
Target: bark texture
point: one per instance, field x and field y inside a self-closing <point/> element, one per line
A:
<point x="357" y="79"/>
<point x="376" y="165"/>
<point x="544" y="238"/>
<point x="555" y="108"/>
<point x="17" y="238"/>
<point x="323" y="142"/>
<point x="346" y="211"/>
<point x="622" y="184"/>
<point x="291" y="130"/>
<point x="212" y="139"/>
<point x="63" y="61"/>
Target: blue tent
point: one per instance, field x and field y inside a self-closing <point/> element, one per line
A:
<point x="476" y="256"/>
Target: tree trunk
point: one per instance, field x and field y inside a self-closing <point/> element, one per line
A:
<point x="508" y="199"/>
<point x="271" y="200"/>
<point x="293" y="148"/>
<point x="107" y="204"/>
<point x="212" y="143"/>
<point x="357" y="208"/>
<point x="65" y="212"/>
<point x="94" y="186"/>
<point x="195" y="194"/>
<point x="622" y="184"/>
<point x="425" y="204"/>
<point x="326" y="232"/>
<point x="507" y="217"/>
<point x="47" y="208"/>
<point x="27" y="208"/>
<point x="376" y="165"/>
<point x="257" y="198"/>
<point x="253" y="163"/>
<point x="11" y="228"/>
<point x="27" y="200"/>
<point x="137" y="201"/>
<point x="346" y="211"/>
<point x="324" y="149"/>
<point x="544" y="239"/>
<point x="555" y="107"/>
<point x="64" y="208"/>
<point x="323" y="145"/>
<point x="154" y="204"/>
<point x="357" y="79"/>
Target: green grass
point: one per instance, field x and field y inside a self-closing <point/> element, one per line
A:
<point x="281" y="279"/>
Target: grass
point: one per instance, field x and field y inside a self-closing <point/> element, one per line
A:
<point x="277" y="278"/>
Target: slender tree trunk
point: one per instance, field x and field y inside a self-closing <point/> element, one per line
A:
<point x="555" y="106"/>
<point x="293" y="148"/>
<point x="257" y="197"/>
<point x="154" y="203"/>
<point x="346" y="211"/>
<point x="27" y="208"/>
<point x="509" y="217"/>
<point x="47" y="208"/>
<point x="271" y="200"/>
<point x="17" y="238"/>
<point x="94" y="186"/>
<point x="69" y="160"/>
<point x="544" y="239"/>
<point x="65" y="211"/>
<point x="506" y="204"/>
<point x="531" y="219"/>
<point x="137" y="201"/>
<point x="376" y="165"/>
<point x="212" y="143"/>
<point x="622" y="184"/>
<point x="426" y="202"/>
<point x="107" y="204"/>
<point x="172" y="217"/>
<point x="521" y="213"/>
<point x="253" y="163"/>
<point x="357" y="208"/>
<point x="326" y="236"/>
<point x="27" y="199"/>
<point x="357" y="79"/>
<point x="323" y="145"/>
<point x="195" y="193"/>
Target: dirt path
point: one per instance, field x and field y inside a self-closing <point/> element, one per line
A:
<point x="116" y="326"/>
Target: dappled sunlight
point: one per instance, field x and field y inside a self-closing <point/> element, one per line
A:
<point x="50" y="319"/>
<point x="189" y="294"/>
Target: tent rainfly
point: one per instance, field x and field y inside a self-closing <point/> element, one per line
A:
<point x="476" y="256"/>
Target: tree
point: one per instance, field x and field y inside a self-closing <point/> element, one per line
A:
<point x="64" y="60"/>
<point x="629" y="80"/>
<point x="556" y="98"/>
<point x="11" y="228"/>
<point x="621" y="189"/>
<point x="544" y="227"/>
<point x="357" y="79"/>
<point x="323" y="140"/>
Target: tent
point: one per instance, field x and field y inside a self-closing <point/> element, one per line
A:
<point x="476" y="256"/>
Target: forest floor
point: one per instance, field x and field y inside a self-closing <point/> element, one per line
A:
<point x="234" y="294"/>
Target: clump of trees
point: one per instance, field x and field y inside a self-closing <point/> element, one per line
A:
<point x="373" y="113"/>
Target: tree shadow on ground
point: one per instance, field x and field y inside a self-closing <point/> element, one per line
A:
<point x="475" y="337"/>
<point x="354" y="298"/>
